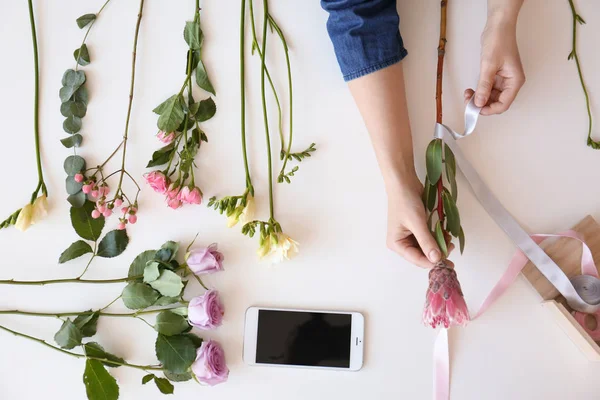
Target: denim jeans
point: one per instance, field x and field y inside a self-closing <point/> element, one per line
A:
<point x="365" y="35"/>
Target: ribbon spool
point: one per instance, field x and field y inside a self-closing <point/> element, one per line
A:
<point x="574" y="292"/>
<point x="581" y="319"/>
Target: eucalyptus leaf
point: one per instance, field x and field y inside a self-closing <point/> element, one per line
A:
<point x="84" y="20"/>
<point x="99" y="384"/>
<point x="169" y="323"/>
<point x="72" y="125"/>
<point x="77" y="200"/>
<point x="86" y="227"/>
<point x="72" y="78"/>
<point x="87" y="324"/>
<point x="113" y="244"/>
<point x="138" y="265"/>
<point x="452" y="214"/>
<point x="74" y="165"/>
<point x="68" y="336"/>
<point x="434" y="161"/>
<point x="72" y="186"/>
<point x="74" y="251"/>
<point x="192" y="35"/>
<point x="82" y="55"/>
<point x="93" y="349"/>
<point x="439" y="237"/>
<point x="168" y="284"/>
<point x="81" y="95"/>
<point x="66" y="92"/>
<point x="171" y="113"/>
<point x="139" y="295"/>
<point x="72" y="141"/>
<point x="175" y="377"/>
<point x="176" y="353"/>
<point x="206" y="110"/>
<point x="202" y="78"/>
<point x="73" y="109"/>
<point x="151" y="272"/>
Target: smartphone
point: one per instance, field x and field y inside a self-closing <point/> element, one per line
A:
<point x="304" y="338"/>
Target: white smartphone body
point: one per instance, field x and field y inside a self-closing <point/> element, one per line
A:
<point x="304" y="338"/>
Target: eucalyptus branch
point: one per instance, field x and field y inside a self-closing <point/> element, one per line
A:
<point x="79" y="54"/>
<point x="577" y="19"/>
<point x="76" y="355"/>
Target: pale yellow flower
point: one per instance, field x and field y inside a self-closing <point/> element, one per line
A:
<point x="24" y="219"/>
<point x="280" y="249"/>
<point x="40" y="209"/>
<point x="242" y="214"/>
<point x="264" y="249"/>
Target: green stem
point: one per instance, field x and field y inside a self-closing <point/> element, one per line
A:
<point x="243" y="96"/>
<point x="196" y="276"/>
<point x="36" y="130"/>
<point x="264" y="104"/>
<point x="77" y="313"/>
<point x="131" y="88"/>
<point x="90" y="261"/>
<point x="592" y="143"/>
<point x="43" y="342"/>
<point x="88" y="32"/>
<point x="280" y="113"/>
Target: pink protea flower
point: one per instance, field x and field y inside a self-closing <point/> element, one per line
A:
<point x="444" y="304"/>
<point x="166" y="138"/>
<point x="157" y="181"/>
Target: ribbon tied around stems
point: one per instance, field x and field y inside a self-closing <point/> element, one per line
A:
<point x="582" y="292"/>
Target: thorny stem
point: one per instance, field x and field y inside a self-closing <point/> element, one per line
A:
<point x="264" y="104"/>
<point x="243" y="96"/>
<point x="131" y="88"/>
<point x="438" y="97"/>
<point x="43" y="342"/>
<point x="77" y="313"/>
<point x="90" y="261"/>
<point x="275" y="95"/>
<point x="36" y="130"/>
<point x="576" y="19"/>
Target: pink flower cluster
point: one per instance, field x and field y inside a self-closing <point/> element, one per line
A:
<point x="176" y="194"/>
<point x="105" y="207"/>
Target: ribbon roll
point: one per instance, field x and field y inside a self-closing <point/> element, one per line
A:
<point x="580" y="317"/>
<point x="573" y="294"/>
<point x="588" y="288"/>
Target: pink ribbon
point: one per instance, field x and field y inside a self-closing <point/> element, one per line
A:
<point x="441" y="358"/>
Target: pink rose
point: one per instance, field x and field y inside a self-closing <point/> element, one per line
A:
<point x="190" y="196"/>
<point x="166" y="138"/>
<point x="173" y="191"/>
<point x="210" y="366"/>
<point x="206" y="311"/>
<point x="157" y="181"/>
<point x="174" y="203"/>
<point x="205" y="260"/>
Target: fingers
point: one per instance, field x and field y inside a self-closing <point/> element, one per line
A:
<point x="485" y="84"/>
<point x="411" y="252"/>
<point x="428" y="245"/>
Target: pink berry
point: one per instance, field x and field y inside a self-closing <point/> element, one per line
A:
<point x="94" y="193"/>
<point x="86" y="189"/>
<point x="124" y="210"/>
<point x="121" y="226"/>
<point x="78" y="178"/>
<point x="118" y="202"/>
<point x="107" y="213"/>
<point x="132" y="219"/>
<point x="105" y="189"/>
<point x="96" y="214"/>
<point x="101" y="208"/>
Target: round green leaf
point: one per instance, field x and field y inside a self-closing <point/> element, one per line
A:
<point x="169" y="323"/>
<point x="77" y="200"/>
<point x="176" y="353"/>
<point x="72" y="186"/>
<point x="113" y="243"/>
<point x="75" y="250"/>
<point x="138" y="265"/>
<point x="72" y="141"/>
<point x="72" y="125"/>
<point x="73" y="109"/>
<point x="99" y="384"/>
<point x="73" y="78"/>
<point x="83" y="223"/>
<point x="68" y="336"/>
<point x="206" y="110"/>
<point x="81" y="95"/>
<point x="81" y="55"/>
<point x="151" y="272"/>
<point x="74" y="165"/>
<point x="139" y="295"/>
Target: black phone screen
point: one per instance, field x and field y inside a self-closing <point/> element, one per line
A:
<point x="304" y="338"/>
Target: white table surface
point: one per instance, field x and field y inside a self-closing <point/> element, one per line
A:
<point x="534" y="158"/>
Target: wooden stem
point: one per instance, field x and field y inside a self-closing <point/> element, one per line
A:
<point x="438" y="94"/>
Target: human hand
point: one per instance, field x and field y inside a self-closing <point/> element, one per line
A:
<point x="501" y="76"/>
<point x="407" y="231"/>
